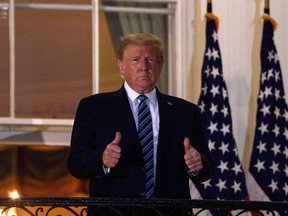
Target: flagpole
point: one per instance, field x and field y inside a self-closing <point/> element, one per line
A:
<point x="209" y="6"/>
<point x="209" y="15"/>
<point x="267" y="7"/>
<point x="267" y="16"/>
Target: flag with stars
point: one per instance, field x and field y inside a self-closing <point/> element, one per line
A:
<point x="228" y="181"/>
<point x="268" y="179"/>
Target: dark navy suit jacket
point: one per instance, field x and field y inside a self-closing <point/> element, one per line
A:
<point x="97" y="120"/>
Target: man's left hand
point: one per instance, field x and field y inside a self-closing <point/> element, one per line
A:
<point x="192" y="157"/>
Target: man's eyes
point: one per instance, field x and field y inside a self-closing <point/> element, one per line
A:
<point x="146" y="59"/>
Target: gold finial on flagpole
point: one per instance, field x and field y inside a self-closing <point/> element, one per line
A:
<point x="210" y="16"/>
<point x="267" y="16"/>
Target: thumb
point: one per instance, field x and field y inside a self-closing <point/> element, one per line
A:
<point x="186" y="144"/>
<point x="117" y="139"/>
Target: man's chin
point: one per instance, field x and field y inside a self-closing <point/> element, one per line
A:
<point x="145" y="87"/>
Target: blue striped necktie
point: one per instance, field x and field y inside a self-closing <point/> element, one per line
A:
<point x="145" y="133"/>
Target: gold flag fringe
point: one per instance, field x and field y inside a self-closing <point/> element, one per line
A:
<point x="272" y="21"/>
<point x="211" y="16"/>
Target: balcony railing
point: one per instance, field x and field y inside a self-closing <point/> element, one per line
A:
<point x="136" y="207"/>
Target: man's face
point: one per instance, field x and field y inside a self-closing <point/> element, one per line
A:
<point x="140" y="67"/>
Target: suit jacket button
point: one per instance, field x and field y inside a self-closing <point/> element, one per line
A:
<point x="142" y="194"/>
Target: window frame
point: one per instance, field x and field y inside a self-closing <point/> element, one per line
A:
<point x="176" y="63"/>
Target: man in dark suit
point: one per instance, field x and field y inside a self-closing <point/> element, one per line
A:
<point x="105" y="146"/>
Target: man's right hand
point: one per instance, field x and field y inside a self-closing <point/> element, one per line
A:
<point x="112" y="153"/>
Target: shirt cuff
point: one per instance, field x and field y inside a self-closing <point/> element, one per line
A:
<point x="106" y="170"/>
<point x="192" y="174"/>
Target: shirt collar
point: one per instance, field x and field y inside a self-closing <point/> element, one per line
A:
<point x="133" y="95"/>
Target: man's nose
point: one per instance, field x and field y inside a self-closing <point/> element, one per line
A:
<point x="145" y="64"/>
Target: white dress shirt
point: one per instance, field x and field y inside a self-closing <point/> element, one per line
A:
<point x="154" y="109"/>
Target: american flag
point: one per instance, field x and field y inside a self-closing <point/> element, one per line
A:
<point x="268" y="168"/>
<point x="228" y="181"/>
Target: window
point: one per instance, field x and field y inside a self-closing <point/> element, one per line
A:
<point x="57" y="52"/>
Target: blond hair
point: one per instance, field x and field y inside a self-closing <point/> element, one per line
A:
<point x="141" y="39"/>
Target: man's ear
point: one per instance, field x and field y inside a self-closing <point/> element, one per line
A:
<point x="160" y="68"/>
<point x="121" y="68"/>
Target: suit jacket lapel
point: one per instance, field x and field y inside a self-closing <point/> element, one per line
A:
<point x="125" y="117"/>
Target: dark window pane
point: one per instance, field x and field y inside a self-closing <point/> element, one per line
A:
<point x="53" y="62"/>
<point x="4" y="62"/>
<point x="109" y="75"/>
<point x="55" y="1"/>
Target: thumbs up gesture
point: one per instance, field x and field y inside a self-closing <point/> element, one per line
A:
<point x="192" y="157"/>
<point x="112" y="153"/>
